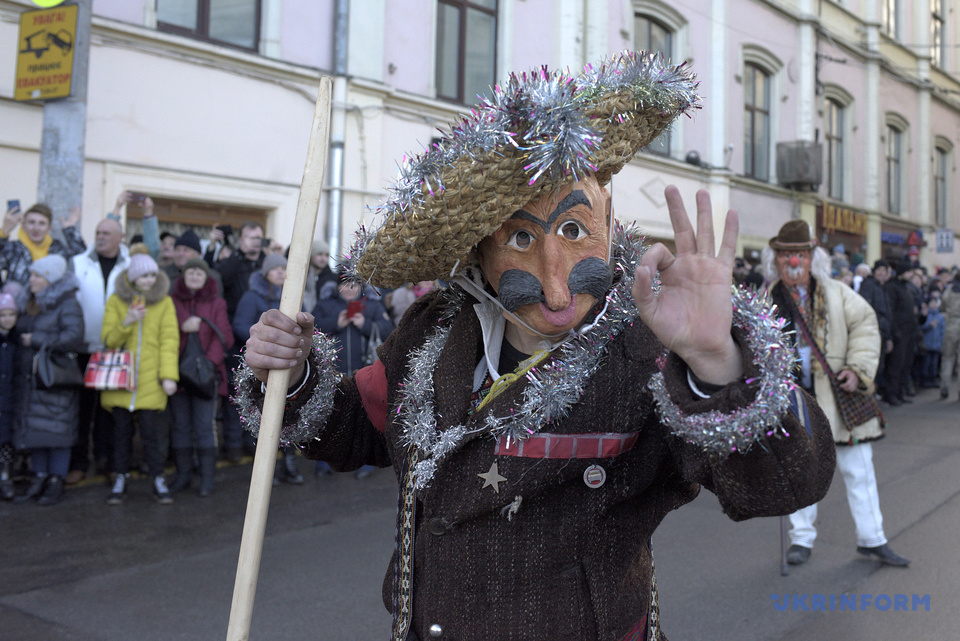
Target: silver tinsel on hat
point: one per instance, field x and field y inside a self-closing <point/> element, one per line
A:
<point x="546" y="116"/>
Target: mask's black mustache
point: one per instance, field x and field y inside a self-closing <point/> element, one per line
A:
<point x="518" y="288"/>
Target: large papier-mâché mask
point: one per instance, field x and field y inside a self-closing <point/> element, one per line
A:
<point x="548" y="262"/>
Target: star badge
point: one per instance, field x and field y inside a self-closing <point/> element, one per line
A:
<point x="492" y="478"/>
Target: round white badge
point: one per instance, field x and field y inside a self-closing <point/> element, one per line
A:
<point x="594" y="476"/>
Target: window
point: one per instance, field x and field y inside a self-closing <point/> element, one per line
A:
<point x="834" y="139"/>
<point x="937" y="45"/>
<point x="894" y="164"/>
<point x="651" y="35"/>
<point x="889" y="22"/>
<point x="230" y="22"/>
<point x="756" y="123"/>
<point x="466" y="48"/>
<point x="940" y="186"/>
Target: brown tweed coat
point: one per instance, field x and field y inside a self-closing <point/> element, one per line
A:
<point x="547" y="557"/>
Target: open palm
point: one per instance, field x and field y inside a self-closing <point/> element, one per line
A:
<point x="692" y="314"/>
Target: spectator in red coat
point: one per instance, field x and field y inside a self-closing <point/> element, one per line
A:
<point x="200" y="309"/>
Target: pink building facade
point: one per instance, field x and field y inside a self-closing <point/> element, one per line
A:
<point x="209" y="112"/>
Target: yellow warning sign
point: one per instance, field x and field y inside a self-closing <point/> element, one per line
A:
<point x="45" y="53"/>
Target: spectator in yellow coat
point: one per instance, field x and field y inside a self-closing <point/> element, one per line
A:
<point x="140" y="317"/>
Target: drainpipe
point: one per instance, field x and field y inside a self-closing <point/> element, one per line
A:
<point x="334" y="226"/>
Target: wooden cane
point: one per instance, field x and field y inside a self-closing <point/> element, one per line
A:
<point x="261" y="481"/>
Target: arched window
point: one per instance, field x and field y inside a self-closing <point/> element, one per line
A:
<point x="756" y="123"/>
<point x="651" y="35"/>
<point x="895" y="144"/>
<point x="834" y="130"/>
<point x="466" y="48"/>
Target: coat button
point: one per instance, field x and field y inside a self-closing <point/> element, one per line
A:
<point x="437" y="526"/>
<point x="436" y="631"/>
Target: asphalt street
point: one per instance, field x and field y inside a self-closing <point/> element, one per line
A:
<point x="85" y="571"/>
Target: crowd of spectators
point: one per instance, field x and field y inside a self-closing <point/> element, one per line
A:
<point x="149" y="296"/>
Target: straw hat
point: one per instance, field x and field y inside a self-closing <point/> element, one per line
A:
<point x="539" y="131"/>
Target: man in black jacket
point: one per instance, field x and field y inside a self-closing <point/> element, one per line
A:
<point x="235" y="272"/>
<point x="871" y="288"/>
<point x="904" y="329"/>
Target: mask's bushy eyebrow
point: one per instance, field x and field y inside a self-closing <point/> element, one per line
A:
<point x="574" y="198"/>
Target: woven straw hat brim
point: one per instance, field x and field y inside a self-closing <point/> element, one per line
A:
<point x="463" y="201"/>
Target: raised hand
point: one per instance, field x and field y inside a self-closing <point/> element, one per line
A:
<point x="692" y="315"/>
<point x="278" y="342"/>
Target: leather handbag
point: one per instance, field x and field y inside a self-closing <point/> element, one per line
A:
<point x="56" y="369"/>
<point x="111" y="369"/>
<point x="198" y="374"/>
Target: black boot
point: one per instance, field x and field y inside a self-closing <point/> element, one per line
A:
<point x="287" y="470"/>
<point x="33" y="490"/>
<point x="53" y="492"/>
<point x="6" y="482"/>
<point x="183" y="458"/>
<point x="208" y="467"/>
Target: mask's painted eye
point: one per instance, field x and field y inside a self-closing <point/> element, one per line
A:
<point x="521" y="239"/>
<point x="572" y="230"/>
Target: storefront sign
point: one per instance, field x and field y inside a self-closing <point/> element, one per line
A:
<point x="850" y="221"/>
<point x="45" y="53"/>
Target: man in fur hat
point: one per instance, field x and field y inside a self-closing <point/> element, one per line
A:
<point x="843" y="327"/>
<point x="569" y="388"/>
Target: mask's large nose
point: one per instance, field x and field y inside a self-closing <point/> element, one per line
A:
<point x="794" y="261"/>
<point x="554" y="275"/>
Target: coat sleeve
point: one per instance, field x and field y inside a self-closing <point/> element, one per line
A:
<point x="783" y="471"/>
<point x="169" y="341"/>
<point x="863" y="336"/>
<point x="223" y="323"/>
<point x="245" y="317"/>
<point x="74" y="241"/>
<point x="113" y="334"/>
<point x="69" y="330"/>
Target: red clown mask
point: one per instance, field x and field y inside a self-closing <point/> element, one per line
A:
<point x="794" y="266"/>
<point x="548" y="262"/>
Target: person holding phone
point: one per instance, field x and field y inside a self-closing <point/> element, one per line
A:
<point x="346" y="313"/>
<point x="33" y="240"/>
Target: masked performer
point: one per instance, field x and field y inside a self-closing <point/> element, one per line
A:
<point x="569" y="388"/>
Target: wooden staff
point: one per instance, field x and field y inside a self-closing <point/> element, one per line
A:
<point x="261" y="482"/>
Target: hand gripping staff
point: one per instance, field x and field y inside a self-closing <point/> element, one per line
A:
<point x="261" y="482"/>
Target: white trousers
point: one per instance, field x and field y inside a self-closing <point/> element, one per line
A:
<point x="855" y="463"/>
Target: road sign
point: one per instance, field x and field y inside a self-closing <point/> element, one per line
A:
<point x="45" y="53"/>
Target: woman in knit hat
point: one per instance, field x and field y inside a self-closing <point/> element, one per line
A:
<point x="140" y="317"/>
<point x="199" y="310"/>
<point x="569" y="388"/>
<point x="34" y="241"/>
<point x="46" y="419"/>
<point x="266" y="285"/>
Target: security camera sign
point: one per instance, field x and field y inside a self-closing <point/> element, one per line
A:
<point x="45" y="53"/>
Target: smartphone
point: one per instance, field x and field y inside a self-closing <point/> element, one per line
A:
<point x="13" y="204"/>
<point x="138" y="300"/>
<point x="226" y="229"/>
<point x="355" y="307"/>
<point x="265" y="242"/>
<point x="138" y="198"/>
